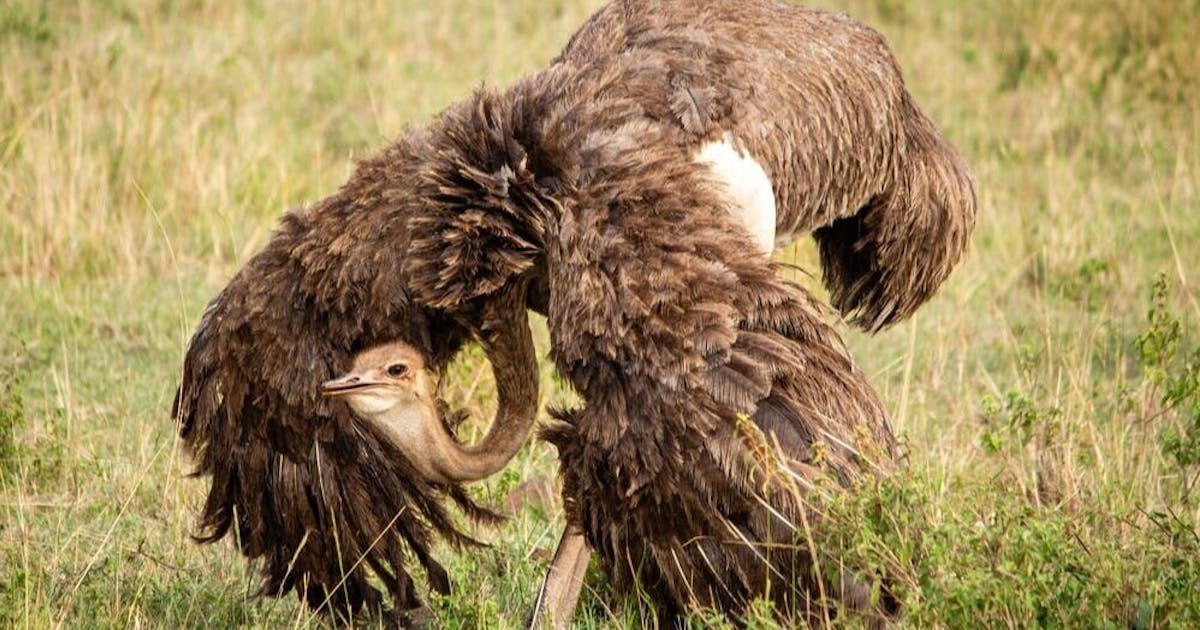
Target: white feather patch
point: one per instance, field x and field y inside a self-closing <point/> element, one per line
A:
<point x="749" y="186"/>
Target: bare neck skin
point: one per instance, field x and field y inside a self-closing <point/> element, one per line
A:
<point x="391" y="389"/>
<point x="415" y="428"/>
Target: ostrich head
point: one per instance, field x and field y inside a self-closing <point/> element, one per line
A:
<point x="391" y="390"/>
<point x="387" y="382"/>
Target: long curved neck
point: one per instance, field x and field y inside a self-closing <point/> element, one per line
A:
<point x="509" y="348"/>
<point x="452" y="461"/>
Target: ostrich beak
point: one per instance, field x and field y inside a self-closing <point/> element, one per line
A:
<point x="349" y="383"/>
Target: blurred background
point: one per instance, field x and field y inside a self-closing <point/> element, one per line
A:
<point x="1048" y="396"/>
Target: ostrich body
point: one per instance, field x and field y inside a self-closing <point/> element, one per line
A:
<point x="602" y="184"/>
<point x="818" y="101"/>
<point x="677" y="337"/>
<point x="708" y="438"/>
<point x="753" y="92"/>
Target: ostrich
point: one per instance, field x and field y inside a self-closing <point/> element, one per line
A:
<point x="538" y="195"/>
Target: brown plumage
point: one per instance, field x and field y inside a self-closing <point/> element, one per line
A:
<point x="689" y="352"/>
<point x="316" y="495"/>
<point x="582" y="180"/>
<point x="719" y="410"/>
<point x="817" y="99"/>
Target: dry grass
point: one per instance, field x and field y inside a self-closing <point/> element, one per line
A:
<point x="147" y="147"/>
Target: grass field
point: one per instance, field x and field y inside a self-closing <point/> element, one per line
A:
<point x="1049" y="396"/>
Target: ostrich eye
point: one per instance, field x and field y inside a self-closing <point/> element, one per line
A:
<point x="397" y="370"/>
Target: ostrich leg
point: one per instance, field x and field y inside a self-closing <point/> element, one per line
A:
<point x="564" y="580"/>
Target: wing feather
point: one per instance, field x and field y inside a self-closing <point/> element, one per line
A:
<point x="309" y="493"/>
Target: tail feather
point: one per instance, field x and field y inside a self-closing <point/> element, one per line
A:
<point x="888" y="259"/>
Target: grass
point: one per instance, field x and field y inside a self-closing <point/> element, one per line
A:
<point x="1047" y="395"/>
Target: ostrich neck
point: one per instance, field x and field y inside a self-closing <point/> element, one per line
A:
<point x="509" y="347"/>
<point x="423" y="438"/>
<point x="417" y="430"/>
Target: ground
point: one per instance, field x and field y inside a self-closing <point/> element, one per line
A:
<point x="1047" y="396"/>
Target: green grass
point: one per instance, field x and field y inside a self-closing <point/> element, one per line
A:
<point x="1047" y="395"/>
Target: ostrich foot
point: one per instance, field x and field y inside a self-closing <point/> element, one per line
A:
<point x="559" y="593"/>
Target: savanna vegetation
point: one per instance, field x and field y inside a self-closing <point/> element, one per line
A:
<point x="1049" y="397"/>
